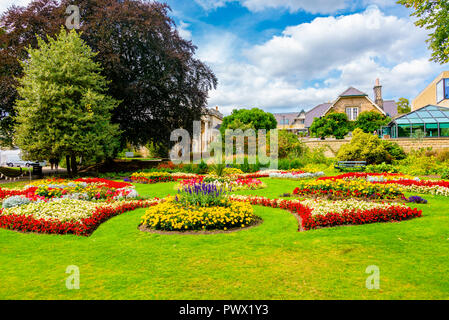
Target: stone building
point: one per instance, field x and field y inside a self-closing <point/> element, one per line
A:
<point x="212" y="119"/>
<point x="436" y="93"/>
<point x="293" y="121"/>
<point x="353" y="102"/>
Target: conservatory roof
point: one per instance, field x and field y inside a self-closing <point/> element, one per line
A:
<point x="428" y="114"/>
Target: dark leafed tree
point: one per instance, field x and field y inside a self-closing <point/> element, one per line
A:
<point x="153" y="71"/>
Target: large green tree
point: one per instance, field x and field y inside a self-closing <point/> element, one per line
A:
<point x="63" y="109"/>
<point x="153" y="71"/>
<point x="433" y="15"/>
<point x="334" y="124"/>
<point x="249" y="119"/>
<point x="370" y="121"/>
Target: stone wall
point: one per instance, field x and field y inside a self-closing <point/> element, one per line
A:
<point x="332" y="145"/>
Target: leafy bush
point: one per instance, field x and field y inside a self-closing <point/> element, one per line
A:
<point x="334" y="124"/>
<point x="289" y="145"/>
<point x="394" y="149"/>
<point x="381" y="168"/>
<point x="443" y="155"/>
<point x="364" y="147"/>
<point x="202" y="168"/>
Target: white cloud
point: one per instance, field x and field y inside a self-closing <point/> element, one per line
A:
<point x="311" y="6"/>
<point x="312" y="63"/>
<point x="315" y="6"/>
<point x="183" y="30"/>
<point x="5" y="4"/>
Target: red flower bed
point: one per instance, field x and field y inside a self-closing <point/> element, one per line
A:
<point x="348" y="217"/>
<point x="84" y="227"/>
<point x="357" y="175"/>
<point x="394" y="213"/>
<point x="5" y="193"/>
<point x="105" y="182"/>
<point x="422" y="183"/>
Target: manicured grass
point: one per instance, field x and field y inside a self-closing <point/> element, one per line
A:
<point x="271" y="261"/>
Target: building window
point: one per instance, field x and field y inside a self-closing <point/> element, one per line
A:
<point x="284" y="122"/>
<point x="352" y="113"/>
<point x="442" y="90"/>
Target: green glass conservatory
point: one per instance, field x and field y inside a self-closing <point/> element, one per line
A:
<point x="432" y="120"/>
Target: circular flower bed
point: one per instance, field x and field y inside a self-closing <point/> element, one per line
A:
<point x="175" y="216"/>
<point x="199" y="207"/>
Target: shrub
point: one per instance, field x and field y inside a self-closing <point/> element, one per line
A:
<point x="289" y="145"/>
<point x="364" y="147"/>
<point x="443" y="155"/>
<point x="394" y="149"/>
<point x="202" y="168"/>
<point x="381" y="168"/>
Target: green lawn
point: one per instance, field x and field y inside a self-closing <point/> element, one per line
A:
<point x="271" y="261"/>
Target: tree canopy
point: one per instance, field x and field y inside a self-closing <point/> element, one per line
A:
<point x="153" y="71"/>
<point x="433" y="15"/>
<point x="403" y="106"/>
<point x="63" y="109"/>
<point x="249" y="119"/>
<point x="332" y="125"/>
<point x="370" y="121"/>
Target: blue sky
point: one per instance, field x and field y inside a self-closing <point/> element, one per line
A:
<point x="289" y="55"/>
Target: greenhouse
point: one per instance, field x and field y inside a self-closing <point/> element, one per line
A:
<point x="433" y="121"/>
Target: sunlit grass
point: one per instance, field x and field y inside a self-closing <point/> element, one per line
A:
<point x="271" y="261"/>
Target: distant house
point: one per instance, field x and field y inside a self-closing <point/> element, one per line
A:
<point x="353" y="102"/>
<point x="293" y="121"/>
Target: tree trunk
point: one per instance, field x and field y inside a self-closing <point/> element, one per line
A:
<point x="74" y="165"/>
<point x="67" y="161"/>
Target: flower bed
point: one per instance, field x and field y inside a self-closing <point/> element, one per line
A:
<point x="440" y="187"/>
<point x="199" y="207"/>
<point x="152" y="177"/>
<point x="340" y="189"/>
<point x="80" y="189"/>
<point x="316" y="214"/>
<point x="66" y="216"/>
<point x="225" y="182"/>
<point x="364" y="175"/>
<point x="295" y="175"/>
<point x="175" y="216"/>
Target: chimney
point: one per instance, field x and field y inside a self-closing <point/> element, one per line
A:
<point x="216" y="108"/>
<point x="378" y="94"/>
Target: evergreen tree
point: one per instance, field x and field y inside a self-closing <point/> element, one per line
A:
<point x="63" y="109"/>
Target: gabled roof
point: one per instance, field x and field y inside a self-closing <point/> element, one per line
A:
<point x="353" y="92"/>
<point x="316" y="112"/>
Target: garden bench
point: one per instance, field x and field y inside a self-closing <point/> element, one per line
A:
<point x="350" y="164"/>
